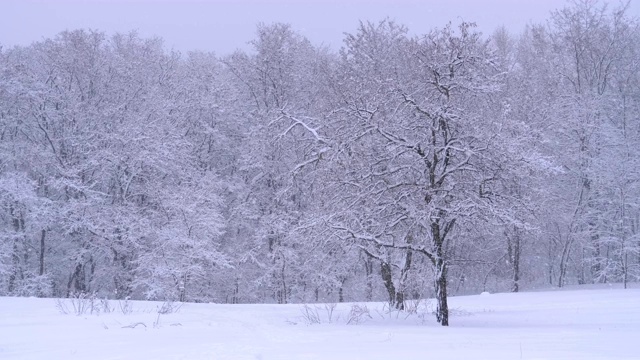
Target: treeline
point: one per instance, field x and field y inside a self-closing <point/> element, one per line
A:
<point x="398" y="167"/>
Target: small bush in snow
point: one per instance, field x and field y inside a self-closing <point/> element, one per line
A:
<point x="125" y="306"/>
<point x="169" y="307"/>
<point x="105" y="305"/>
<point x="411" y="307"/>
<point x="80" y="304"/>
<point x="62" y="306"/>
<point x="310" y="315"/>
<point x="358" y="314"/>
<point x="329" y="309"/>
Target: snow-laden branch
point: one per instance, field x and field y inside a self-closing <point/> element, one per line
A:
<point x="297" y="122"/>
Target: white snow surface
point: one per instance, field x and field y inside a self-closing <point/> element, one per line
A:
<point x="581" y="323"/>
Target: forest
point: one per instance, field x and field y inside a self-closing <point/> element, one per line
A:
<point x="401" y="166"/>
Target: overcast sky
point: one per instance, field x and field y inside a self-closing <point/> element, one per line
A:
<point x="225" y="25"/>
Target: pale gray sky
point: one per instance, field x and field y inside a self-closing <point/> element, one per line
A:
<point x="224" y="25"/>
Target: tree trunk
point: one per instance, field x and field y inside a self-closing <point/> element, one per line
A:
<point x="596" y="267"/>
<point x="516" y="273"/>
<point x="77" y="281"/>
<point x="442" y="310"/>
<point x="285" y="299"/>
<point x="15" y="268"/>
<point x="368" y="268"/>
<point x="404" y="272"/>
<point x="625" y="269"/>
<point x="385" y="271"/>
<point x="514" y="250"/>
<point x="564" y="261"/>
<point x="342" y="279"/>
<point x="42" y="237"/>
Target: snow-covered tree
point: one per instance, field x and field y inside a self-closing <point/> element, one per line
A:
<point x="416" y="143"/>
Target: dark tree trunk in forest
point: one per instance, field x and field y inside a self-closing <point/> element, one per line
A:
<point x="17" y="271"/>
<point x="440" y="265"/>
<point x="368" y="268"/>
<point x="516" y="276"/>
<point x="400" y="300"/>
<point x="404" y="272"/>
<point x="77" y="281"/>
<point x="596" y="268"/>
<point x="564" y="262"/>
<point x="385" y="271"/>
<point x="42" y="238"/>
<point x="342" y="280"/>
<point x="514" y="248"/>
<point x="442" y="309"/>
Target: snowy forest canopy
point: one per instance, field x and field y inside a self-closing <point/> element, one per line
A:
<point x="399" y="167"/>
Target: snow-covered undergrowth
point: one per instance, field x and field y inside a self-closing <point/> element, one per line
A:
<point x="585" y="323"/>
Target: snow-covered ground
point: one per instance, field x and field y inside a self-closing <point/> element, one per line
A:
<point x="579" y="323"/>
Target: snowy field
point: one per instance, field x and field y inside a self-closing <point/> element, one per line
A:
<point x="578" y="323"/>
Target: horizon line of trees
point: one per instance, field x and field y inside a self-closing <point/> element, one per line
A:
<point x="396" y="168"/>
